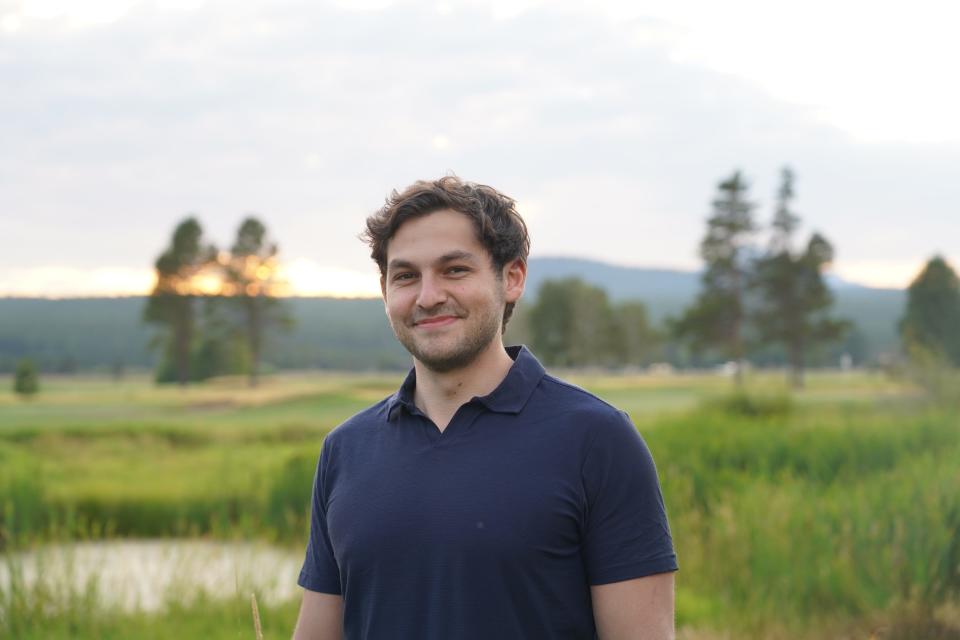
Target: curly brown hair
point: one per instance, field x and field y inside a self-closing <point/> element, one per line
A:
<point x="499" y="227"/>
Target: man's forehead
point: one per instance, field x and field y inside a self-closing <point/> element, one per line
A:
<point x="437" y="236"/>
<point x="449" y="219"/>
<point x="455" y="255"/>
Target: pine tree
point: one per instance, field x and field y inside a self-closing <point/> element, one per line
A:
<point x="171" y="303"/>
<point x="253" y="280"/>
<point x="793" y="299"/>
<point x="717" y="317"/>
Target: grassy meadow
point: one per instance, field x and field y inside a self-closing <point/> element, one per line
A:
<point x="829" y="513"/>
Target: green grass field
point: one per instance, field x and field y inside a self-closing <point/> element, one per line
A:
<point x="831" y="513"/>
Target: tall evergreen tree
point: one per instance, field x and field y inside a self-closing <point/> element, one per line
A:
<point x="171" y="303"/>
<point x="793" y="299"/>
<point x="785" y="221"/>
<point x="717" y="317"/>
<point x="932" y="318"/>
<point x="252" y="275"/>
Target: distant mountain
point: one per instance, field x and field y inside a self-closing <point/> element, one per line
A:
<point x="101" y="333"/>
<point x="663" y="285"/>
<point x="666" y="291"/>
<point x="623" y="282"/>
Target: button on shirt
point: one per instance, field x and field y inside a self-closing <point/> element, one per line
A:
<point x="495" y="527"/>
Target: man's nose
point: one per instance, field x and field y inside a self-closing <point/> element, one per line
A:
<point x="432" y="292"/>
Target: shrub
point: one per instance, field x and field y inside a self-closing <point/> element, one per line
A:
<point x="751" y="406"/>
<point x="25" y="379"/>
<point x="932" y="371"/>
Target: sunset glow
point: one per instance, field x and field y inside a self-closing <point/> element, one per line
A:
<point x="299" y="278"/>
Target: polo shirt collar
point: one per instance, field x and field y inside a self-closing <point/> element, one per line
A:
<point x="510" y="396"/>
<point x="403" y="396"/>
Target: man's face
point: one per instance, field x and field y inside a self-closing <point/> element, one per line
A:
<point x="443" y="298"/>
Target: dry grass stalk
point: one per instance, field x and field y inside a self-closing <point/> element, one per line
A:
<point x="256" y="616"/>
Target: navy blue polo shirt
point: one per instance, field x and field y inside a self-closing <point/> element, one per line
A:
<point x="495" y="527"/>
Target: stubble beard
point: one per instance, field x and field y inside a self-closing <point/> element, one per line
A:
<point x="460" y="355"/>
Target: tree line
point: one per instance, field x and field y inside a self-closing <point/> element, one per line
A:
<point x="574" y="324"/>
<point x="763" y="298"/>
<point x="763" y="295"/>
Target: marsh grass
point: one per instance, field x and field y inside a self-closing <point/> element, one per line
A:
<point x="45" y="589"/>
<point x="202" y="618"/>
<point x="832" y="513"/>
<point x="782" y="521"/>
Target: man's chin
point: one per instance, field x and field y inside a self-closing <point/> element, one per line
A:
<point x="445" y="360"/>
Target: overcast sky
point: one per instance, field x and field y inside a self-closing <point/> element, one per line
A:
<point x="610" y="123"/>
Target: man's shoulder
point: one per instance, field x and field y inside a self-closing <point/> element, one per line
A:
<point x="564" y="403"/>
<point x="562" y="393"/>
<point x="362" y="423"/>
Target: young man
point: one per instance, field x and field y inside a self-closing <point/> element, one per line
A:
<point x="485" y="499"/>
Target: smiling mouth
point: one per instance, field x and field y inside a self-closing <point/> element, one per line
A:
<point x="438" y="321"/>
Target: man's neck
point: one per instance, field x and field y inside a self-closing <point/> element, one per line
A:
<point x="439" y="395"/>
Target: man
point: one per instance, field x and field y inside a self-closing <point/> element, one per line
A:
<point x="485" y="499"/>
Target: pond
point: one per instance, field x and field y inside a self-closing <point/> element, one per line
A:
<point x="146" y="575"/>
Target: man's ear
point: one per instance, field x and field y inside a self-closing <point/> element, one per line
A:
<point x="514" y="279"/>
<point x="383" y="286"/>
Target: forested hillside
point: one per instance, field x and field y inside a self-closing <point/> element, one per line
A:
<point x="108" y="334"/>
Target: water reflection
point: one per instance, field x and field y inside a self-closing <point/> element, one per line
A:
<point x="146" y="575"/>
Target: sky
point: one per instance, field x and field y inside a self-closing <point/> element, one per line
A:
<point x="610" y="123"/>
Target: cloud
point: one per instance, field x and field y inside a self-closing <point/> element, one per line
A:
<point x="308" y="114"/>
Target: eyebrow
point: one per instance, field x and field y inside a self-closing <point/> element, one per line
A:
<point x="447" y="257"/>
<point x="456" y="255"/>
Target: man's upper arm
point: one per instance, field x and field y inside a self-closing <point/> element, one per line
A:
<point x="321" y="617"/>
<point x="320" y="571"/>
<point x="638" y="609"/>
<point x="626" y="534"/>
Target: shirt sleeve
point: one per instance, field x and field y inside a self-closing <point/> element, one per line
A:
<point x="626" y="534"/>
<point x="320" y="571"/>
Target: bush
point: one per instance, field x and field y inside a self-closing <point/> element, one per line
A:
<point x="751" y="406"/>
<point x="932" y="371"/>
<point x="25" y="379"/>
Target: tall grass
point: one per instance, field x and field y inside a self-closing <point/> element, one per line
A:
<point x="782" y="520"/>
<point x="793" y="517"/>
<point x="276" y="508"/>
